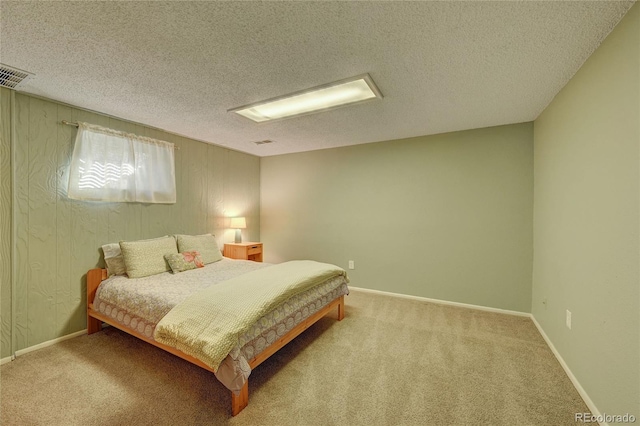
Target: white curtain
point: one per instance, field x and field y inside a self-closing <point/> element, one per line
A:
<point x="108" y="165"/>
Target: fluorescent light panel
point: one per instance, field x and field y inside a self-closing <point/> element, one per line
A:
<point x="321" y="98"/>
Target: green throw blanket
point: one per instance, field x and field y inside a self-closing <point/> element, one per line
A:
<point x="207" y="325"/>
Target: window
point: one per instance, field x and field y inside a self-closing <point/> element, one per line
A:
<point x="108" y="165"/>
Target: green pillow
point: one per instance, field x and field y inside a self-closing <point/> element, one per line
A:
<point x="146" y="257"/>
<point x="180" y="262"/>
<point x="206" y="245"/>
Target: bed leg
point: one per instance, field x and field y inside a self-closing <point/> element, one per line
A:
<point x="238" y="402"/>
<point x="341" y="309"/>
<point x="93" y="325"/>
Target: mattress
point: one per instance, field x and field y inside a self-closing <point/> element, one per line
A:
<point x="140" y="303"/>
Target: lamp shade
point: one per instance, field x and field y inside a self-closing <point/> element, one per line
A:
<point x="238" y="223"/>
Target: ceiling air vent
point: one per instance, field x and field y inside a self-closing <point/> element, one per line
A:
<point x="11" y="77"/>
<point x="263" y="142"/>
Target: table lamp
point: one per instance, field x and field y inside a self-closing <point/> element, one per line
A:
<point x="238" y="223"/>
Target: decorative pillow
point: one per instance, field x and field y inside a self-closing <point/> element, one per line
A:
<point x="146" y="257"/>
<point x="180" y="262"/>
<point x="114" y="260"/>
<point x="205" y="244"/>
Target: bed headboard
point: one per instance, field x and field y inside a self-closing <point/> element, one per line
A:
<point x="94" y="278"/>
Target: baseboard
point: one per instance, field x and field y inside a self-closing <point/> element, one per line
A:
<point x="444" y="302"/>
<point x="576" y="384"/>
<point x="6" y="360"/>
<point x="50" y="342"/>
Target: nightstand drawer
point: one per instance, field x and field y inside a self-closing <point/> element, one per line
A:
<point x="254" y="249"/>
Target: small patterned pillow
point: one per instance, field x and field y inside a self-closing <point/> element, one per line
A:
<point x="184" y="261"/>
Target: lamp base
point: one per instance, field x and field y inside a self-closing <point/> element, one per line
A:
<point x="238" y="236"/>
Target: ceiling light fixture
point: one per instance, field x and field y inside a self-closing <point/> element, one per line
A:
<point x="321" y="98"/>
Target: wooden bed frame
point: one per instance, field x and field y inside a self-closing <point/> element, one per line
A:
<point x="238" y="402"/>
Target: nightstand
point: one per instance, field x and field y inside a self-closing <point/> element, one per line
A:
<point x="246" y="251"/>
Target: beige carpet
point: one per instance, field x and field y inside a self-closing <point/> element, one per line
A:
<point x="390" y="362"/>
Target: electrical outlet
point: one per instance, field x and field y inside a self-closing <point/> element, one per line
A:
<point x="352" y="264"/>
<point x="568" y="319"/>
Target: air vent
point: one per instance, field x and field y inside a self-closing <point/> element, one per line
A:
<point x="263" y="142"/>
<point x="11" y="77"/>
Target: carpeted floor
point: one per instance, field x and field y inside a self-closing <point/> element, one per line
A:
<point x="391" y="361"/>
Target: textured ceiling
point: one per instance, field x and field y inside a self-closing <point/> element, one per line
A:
<point x="179" y="66"/>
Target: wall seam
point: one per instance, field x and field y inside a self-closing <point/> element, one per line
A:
<point x="12" y="236"/>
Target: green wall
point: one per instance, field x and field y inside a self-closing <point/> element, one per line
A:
<point x="57" y="239"/>
<point x="446" y="216"/>
<point x="586" y="221"/>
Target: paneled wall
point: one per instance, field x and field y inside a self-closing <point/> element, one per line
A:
<point x="5" y="223"/>
<point x="58" y="239"/>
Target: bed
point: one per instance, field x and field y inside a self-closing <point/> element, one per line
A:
<point x="153" y="306"/>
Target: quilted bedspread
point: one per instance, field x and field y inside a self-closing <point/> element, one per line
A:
<point x="207" y="324"/>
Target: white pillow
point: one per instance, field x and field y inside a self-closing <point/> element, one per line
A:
<point x="114" y="260"/>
